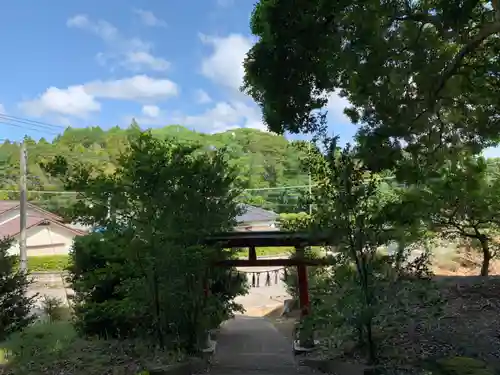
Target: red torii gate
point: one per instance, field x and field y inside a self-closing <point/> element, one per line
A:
<point x="252" y="240"/>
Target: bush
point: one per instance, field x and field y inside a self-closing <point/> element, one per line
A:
<point x="97" y="273"/>
<point x="295" y="222"/>
<point x="15" y="306"/>
<point x="53" y="308"/>
<point x="100" y="275"/>
<point x="291" y="279"/>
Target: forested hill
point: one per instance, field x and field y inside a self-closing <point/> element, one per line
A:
<point x="264" y="160"/>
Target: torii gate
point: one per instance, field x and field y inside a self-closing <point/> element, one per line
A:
<point x="252" y="240"/>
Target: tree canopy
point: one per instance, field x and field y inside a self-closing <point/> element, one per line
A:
<point x="422" y="77"/>
<point x="263" y="161"/>
<point x="462" y="203"/>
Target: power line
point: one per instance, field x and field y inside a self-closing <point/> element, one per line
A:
<point x="24" y="127"/>
<point x="26" y="121"/>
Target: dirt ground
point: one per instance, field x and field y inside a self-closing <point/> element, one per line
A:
<point x="467" y="325"/>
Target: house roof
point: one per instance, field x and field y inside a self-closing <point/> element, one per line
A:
<point x="253" y="214"/>
<point x="12" y="227"/>
<point x="13" y="205"/>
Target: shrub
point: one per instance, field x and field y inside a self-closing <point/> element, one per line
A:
<point x="294" y="222"/>
<point x="97" y="272"/>
<point x="291" y="279"/>
<point x="53" y="308"/>
<point x="15" y="306"/>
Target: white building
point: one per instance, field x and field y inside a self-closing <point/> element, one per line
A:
<point x="46" y="234"/>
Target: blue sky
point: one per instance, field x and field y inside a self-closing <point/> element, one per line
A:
<point x="104" y="62"/>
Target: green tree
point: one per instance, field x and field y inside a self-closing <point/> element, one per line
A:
<point x="262" y="159"/>
<point x="15" y="306"/>
<point x="422" y="77"/>
<point x="463" y="202"/>
<point x="165" y="197"/>
<point x="354" y="209"/>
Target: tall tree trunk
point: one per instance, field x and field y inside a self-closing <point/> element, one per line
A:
<point x="485" y="247"/>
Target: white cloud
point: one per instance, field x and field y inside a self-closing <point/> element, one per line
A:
<point x="131" y="53"/>
<point x="137" y="59"/>
<point x="202" y="97"/>
<point x="224" y="65"/>
<point x="335" y="107"/>
<point x="151" y="111"/>
<point x="134" y="88"/>
<point x="73" y="101"/>
<point x="2" y="109"/>
<point x="148" y="18"/>
<point x="224" y="116"/>
<point x="102" y="29"/>
<point x="80" y="100"/>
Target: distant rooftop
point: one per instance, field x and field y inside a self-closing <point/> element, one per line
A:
<point x="253" y="213"/>
<point x="7" y="205"/>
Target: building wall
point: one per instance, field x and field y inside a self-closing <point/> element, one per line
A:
<point x="46" y="240"/>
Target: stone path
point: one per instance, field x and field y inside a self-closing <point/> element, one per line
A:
<point x="251" y="345"/>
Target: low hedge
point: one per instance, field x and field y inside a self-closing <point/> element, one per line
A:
<point x="46" y="263"/>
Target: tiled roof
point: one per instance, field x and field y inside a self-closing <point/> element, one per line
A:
<point x="253" y="214"/>
<point x="13" y="227"/>
<point x="10" y="205"/>
<point x="36" y="216"/>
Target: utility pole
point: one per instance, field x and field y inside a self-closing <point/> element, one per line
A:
<point x="23" y="254"/>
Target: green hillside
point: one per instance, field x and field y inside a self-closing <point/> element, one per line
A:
<point x="265" y="161"/>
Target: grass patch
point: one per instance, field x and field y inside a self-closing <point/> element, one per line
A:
<point x="269" y="251"/>
<point x="55" y="348"/>
<point x="48" y="263"/>
<point x="263" y="251"/>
